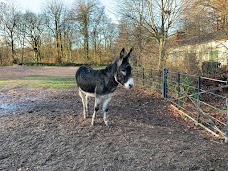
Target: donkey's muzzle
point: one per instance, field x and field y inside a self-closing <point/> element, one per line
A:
<point x="129" y="84"/>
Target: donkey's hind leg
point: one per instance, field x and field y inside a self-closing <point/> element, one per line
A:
<point x="96" y="108"/>
<point x="105" y="109"/>
<point x="84" y="103"/>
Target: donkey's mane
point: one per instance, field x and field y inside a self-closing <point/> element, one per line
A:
<point x="111" y="68"/>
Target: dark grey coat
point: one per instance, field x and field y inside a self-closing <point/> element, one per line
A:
<point x="100" y="82"/>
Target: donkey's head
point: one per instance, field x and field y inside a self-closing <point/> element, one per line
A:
<point x="124" y="70"/>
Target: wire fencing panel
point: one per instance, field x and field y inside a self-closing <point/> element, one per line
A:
<point x="150" y="79"/>
<point x="201" y="99"/>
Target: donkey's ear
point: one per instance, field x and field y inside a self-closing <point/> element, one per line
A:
<point x="129" y="54"/>
<point x="120" y="60"/>
<point x="122" y="53"/>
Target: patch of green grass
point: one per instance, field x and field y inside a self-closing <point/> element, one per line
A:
<point x="98" y="67"/>
<point x="40" y="82"/>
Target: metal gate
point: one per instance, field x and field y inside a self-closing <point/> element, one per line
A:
<point x="201" y="99"/>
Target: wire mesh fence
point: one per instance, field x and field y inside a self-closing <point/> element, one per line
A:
<point x="201" y="99"/>
<point x="148" y="78"/>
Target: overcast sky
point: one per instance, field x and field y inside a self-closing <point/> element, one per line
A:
<point x="36" y="5"/>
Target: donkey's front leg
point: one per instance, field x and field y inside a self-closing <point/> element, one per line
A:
<point x="105" y="109"/>
<point x="96" y="108"/>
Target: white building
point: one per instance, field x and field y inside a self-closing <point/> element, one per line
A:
<point x="209" y="47"/>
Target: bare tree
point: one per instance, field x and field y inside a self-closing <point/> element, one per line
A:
<point x="57" y="32"/>
<point x="9" y="18"/>
<point x="110" y="34"/>
<point x="31" y="27"/>
<point x="158" y="17"/>
<point x="205" y="16"/>
<point x="94" y="26"/>
<point x="55" y="16"/>
<point x="81" y="13"/>
<point x="98" y="19"/>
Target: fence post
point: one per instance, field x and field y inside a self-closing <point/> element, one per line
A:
<point x="143" y="76"/>
<point x="198" y="98"/>
<point x="164" y="83"/>
<point x="178" y="89"/>
<point x="151" y="79"/>
<point x="226" y="135"/>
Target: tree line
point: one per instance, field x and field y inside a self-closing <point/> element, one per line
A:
<point x="153" y="26"/>
<point x="83" y="33"/>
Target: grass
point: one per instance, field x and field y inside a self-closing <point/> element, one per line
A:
<point x="40" y="82"/>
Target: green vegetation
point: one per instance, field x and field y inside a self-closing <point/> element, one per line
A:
<point x="214" y="55"/>
<point x="188" y="87"/>
<point x="40" y="82"/>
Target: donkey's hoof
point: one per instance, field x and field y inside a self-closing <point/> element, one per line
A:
<point x="107" y="123"/>
<point x="85" y="115"/>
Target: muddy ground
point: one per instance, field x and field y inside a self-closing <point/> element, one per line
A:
<point x="42" y="129"/>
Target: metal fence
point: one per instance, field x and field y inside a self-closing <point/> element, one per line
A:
<point x="203" y="100"/>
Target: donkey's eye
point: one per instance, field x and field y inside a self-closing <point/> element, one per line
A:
<point x="123" y="72"/>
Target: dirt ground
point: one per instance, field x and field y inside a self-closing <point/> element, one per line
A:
<point x="42" y="129"/>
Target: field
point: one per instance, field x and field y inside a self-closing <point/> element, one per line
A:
<point x="42" y="128"/>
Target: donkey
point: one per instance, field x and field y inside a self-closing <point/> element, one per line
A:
<point x="102" y="83"/>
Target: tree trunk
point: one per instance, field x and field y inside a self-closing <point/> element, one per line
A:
<point x="162" y="39"/>
<point x="87" y="44"/>
<point x="58" y="48"/>
<point x="162" y="55"/>
<point x="14" y="60"/>
<point x="86" y="27"/>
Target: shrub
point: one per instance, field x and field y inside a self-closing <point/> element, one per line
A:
<point x="210" y="67"/>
